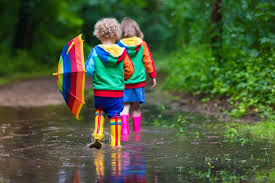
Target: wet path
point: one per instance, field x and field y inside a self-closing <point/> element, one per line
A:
<point x="46" y="144"/>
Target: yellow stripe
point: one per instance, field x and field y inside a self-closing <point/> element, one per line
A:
<point x="82" y="60"/>
<point x="82" y="54"/>
<point x="112" y="121"/>
<point x="83" y="86"/>
<point x="78" y="111"/>
<point x="70" y="48"/>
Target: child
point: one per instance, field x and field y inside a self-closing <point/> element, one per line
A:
<point x="131" y="39"/>
<point x="109" y="65"/>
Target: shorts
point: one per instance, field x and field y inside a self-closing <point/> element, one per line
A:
<point x="110" y="105"/>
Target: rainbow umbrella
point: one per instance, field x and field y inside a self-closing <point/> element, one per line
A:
<point x="71" y="75"/>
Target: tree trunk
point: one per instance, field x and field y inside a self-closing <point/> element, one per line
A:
<point x="24" y="26"/>
<point x="216" y="18"/>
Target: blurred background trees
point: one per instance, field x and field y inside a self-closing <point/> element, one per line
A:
<point x="216" y="47"/>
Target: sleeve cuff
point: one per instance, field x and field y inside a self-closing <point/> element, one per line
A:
<point x="152" y="75"/>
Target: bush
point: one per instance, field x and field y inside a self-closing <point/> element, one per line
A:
<point x="246" y="79"/>
<point x="190" y="70"/>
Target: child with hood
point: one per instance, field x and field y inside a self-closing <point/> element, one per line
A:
<point x="140" y="55"/>
<point x="110" y="66"/>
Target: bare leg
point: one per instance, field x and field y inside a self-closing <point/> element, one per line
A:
<point x="136" y="109"/>
<point x="126" y="109"/>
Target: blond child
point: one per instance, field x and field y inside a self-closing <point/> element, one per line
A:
<point x="110" y="66"/>
<point x="140" y="55"/>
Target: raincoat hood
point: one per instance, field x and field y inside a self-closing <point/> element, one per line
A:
<point x="110" y="54"/>
<point x="132" y="45"/>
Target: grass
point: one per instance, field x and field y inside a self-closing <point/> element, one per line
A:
<point x="259" y="131"/>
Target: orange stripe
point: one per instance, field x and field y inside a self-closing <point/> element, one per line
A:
<point x="76" y="107"/>
<point x="147" y="59"/>
<point x="79" y="83"/>
<point x="79" y="53"/>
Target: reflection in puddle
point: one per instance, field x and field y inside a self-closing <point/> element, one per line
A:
<point x="127" y="163"/>
<point x="48" y="145"/>
<point x="76" y="178"/>
<point x="99" y="164"/>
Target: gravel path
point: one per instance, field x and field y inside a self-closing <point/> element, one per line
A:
<point x="31" y="93"/>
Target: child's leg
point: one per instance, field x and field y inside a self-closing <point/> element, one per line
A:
<point x="136" y="116"/>
<point x="136" y="109"/>
<point x="126" y="109"/>
<point x="115" y="124"/>
<point x="99" y="124"/>
<point x="115" y="107"/>
<point x="124" y="119"/>
<point x="98" y="131"/>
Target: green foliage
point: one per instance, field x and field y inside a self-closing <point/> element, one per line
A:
<point x="260" y="131"/>
<point x="190" y="69"/>
<point x="34" y="32"/>
<point x="230" y="132"/>
<point x="188" y="21"/>
<point x="247" y="81"/>
<point x="243" y="132"/>
<point x="241" y="69"/>
<point x="180" y="125"/>
<point x="23" y="62"/>
<point x="265" y="176"/>
<point x="22" y="66"/>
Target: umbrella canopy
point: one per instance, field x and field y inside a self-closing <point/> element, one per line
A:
<point x="71" y="75"/>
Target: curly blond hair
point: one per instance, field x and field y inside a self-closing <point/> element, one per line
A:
<point x="107" y="28"/>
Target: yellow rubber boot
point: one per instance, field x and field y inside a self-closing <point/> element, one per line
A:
<point x="99" y="125"/>
<point x="115" y="124"/>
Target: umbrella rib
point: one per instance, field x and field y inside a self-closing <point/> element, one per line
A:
<point x="75" y="97"/>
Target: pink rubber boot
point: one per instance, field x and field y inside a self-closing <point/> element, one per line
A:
<point x="124" y="125"/>
<point x="136" y="122"/>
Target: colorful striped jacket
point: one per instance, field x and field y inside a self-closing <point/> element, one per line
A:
<point x="142" y="59"/>
<point x="110" y="67"/>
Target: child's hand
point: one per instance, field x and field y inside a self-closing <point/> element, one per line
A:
<point x="153" y="83"/>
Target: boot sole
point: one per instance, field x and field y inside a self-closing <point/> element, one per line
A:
<point x="96" y="144"/>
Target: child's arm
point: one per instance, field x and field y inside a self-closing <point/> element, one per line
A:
<point x="148" y="63"/>
<point x="128" y="67"/>
<point x="90" y="65"/>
